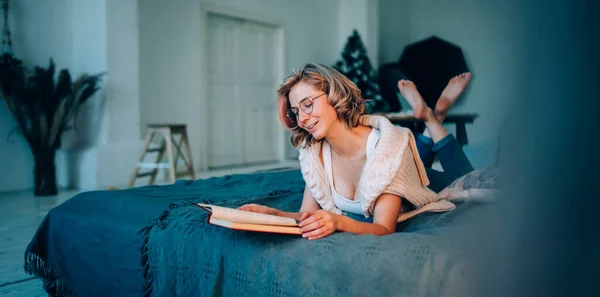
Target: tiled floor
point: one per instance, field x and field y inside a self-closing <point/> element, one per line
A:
<point x="20" y="215"/>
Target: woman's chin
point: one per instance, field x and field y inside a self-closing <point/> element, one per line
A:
<point x="317" y="135"/>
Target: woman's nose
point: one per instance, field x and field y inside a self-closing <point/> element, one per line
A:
<point x="302" y="117"/>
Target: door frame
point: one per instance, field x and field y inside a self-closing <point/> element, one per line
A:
<point x="206" y="10"/>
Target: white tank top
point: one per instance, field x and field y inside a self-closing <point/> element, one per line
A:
<point x="342" y="203"/>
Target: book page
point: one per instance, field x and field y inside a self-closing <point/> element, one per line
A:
<point x="255" y="227"/>
<point x="242" y="216"/>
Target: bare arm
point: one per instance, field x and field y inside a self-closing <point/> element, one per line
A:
<point x="308" y="204"/>
<point x="322" y="223"/>
<point x="385" y="218"/>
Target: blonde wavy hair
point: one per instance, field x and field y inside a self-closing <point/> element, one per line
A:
<point x="343" y="95"/>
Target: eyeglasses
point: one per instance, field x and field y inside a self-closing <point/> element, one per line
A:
<point x="306" y="105"/>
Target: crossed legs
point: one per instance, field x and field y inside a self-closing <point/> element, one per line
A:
<point x="436" y="140"/>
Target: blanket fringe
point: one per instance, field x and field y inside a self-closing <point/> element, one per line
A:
<point x="35" y="265"/>
<point x="160" y="221"/>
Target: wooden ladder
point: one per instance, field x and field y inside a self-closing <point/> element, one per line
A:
<point x="167" y="143"/>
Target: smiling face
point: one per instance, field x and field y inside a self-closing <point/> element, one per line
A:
<point x="314" y="100"/>
<point x="303" y="99"/>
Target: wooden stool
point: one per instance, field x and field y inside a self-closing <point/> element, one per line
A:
<point x="168" y="133"/>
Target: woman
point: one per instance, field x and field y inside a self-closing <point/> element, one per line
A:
<point x="351" y="162"/>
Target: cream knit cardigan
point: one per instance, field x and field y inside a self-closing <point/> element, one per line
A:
<point x="394" y="167"/>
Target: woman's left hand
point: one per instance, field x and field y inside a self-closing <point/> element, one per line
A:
<point x="318" y="224"/>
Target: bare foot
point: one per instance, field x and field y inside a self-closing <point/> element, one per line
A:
<point x="430" y="116"/>
<point x="452" y="91"/>
<point x="412" y="96"/>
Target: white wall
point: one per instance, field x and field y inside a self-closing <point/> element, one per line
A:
<point x="171" y="51"/>
<point x="15" y="156"/>
<point x="119" y="148"/>
<point x="154" y="73"/>
<point x="484" y="31"/>
<point x="393" y="29"/>
<point x="102" y="35"/>
<point x="84" y="36"/>
<point x="361" y="15"/>
<point x="33" y="23"/>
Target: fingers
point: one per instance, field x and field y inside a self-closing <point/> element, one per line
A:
<point x="250" y="207"/>
<point x="246" y="207"/>
<point x="304" y="215"/>
<point x="312" y="226"/>
<point x="318" y="233"/>
<point x="320" y="236"/>
<point x="317" y="225"/>
<point x="308" y="219"/>
<point x="259" y="209"/>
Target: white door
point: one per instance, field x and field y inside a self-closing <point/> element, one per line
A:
<point x="242" y="82"/>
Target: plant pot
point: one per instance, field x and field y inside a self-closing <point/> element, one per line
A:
<point x="45" y="174"/>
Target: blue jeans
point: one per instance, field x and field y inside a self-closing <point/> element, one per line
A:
<point x="451" y="156"/>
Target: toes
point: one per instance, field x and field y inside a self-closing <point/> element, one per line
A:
<point x="464" y="75"/>
<point x="468" y="76"/>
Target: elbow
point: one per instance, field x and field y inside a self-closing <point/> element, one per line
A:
<point x="386" y="231"/>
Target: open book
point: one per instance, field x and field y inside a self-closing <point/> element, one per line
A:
<point x="249" y="221"/>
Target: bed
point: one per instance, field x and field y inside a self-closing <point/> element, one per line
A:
<point x="153" y="241"/>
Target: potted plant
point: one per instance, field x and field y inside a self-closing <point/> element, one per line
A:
<point x="43" y="106"/>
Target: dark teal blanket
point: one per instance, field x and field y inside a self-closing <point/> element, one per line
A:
<point x="90" y="244"/>
<point x="154" y="241"/>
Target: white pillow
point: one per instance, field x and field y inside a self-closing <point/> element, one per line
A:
<point x="478" y="185"/>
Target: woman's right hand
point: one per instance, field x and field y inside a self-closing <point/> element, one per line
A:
<point x="259" y="208"/>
